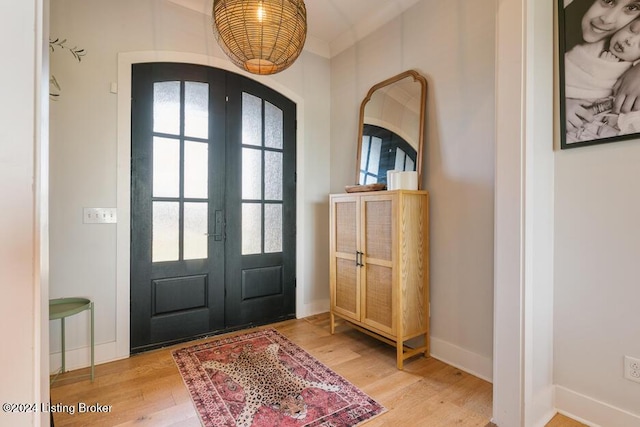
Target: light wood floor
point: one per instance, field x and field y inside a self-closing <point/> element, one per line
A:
<point x="147" y="390"/>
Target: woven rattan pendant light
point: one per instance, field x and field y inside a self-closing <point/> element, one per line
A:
<point x="260" y="36"/>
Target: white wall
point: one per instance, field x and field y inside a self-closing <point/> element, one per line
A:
<point x="84" y="153"/>
<point x="453" y="45"/>
<point x="597" y="290"/>
<point x="24" y="364"/>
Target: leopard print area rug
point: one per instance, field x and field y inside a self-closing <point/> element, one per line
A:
<point x="261" y="379"/>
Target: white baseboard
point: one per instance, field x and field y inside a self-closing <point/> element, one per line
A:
<point x="473" y="363"/>
<point x="313" y="308"/>
<point x="542" y="408"/>
<point x="81" y="357"/>
<point x="592" y="412"/>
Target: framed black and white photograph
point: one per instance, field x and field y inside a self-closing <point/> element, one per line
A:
<point x="599" y="51"/>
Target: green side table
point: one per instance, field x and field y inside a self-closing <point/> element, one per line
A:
<point x="64" y="307"/>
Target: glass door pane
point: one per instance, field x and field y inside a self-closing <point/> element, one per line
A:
<point x="196" y="225"/>
<point x="196" y="170"/>
<point x="251" y="174"/>
<point x="273" y="228"/>
<point x="251" y="120"/>
<point x="262" y="176"/>
<point x="166" y="107"/>
<point x="180" y="171"/>
<point x="251" y="228"/>
<point x="166" y="234"/>
<point x="166" y="167"/>
<point x="196" y="110"/>
<point x="273" y="175"/>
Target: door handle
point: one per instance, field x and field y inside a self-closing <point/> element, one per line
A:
<point x="218" y="226"/>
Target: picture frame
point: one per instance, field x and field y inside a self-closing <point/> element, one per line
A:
<point x="591" y="59"/>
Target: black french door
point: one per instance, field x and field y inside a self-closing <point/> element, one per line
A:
<point x="212" y="203"/>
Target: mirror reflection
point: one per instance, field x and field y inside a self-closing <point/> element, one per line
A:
<point x="391" y="128"/>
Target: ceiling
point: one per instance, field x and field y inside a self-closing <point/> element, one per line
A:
<point x="333" y="25"/>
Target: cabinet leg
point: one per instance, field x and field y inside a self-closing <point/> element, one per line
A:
<point x="332" y="323"/>
<point x="427" y="345"/>
<point x="399" y="355"/>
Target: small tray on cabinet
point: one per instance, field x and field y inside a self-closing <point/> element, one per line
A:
<point x="363" y="188"/>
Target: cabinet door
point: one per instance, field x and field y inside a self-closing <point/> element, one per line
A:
<point x="345" y="274"/>
<point x="378" y="278"/>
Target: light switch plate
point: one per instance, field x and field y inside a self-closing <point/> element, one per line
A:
<point x="99" y="216"/>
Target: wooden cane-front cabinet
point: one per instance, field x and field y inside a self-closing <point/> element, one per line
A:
<point x="380" y="266"/>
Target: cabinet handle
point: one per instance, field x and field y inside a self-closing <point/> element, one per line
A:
<point x="357" y="258"/>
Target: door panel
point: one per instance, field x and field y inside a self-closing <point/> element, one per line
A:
<point x="261" y="183"/>
<point x="177" y="162"/>
<point x="261" y="282"/>
<point x="347" y="291"/>
<point x="344" y="244"/>
<point x="378" y="298"/>
<point x="378" y="213"/>
<point x="179" y="293"/>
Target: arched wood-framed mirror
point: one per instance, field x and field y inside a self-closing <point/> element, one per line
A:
<point x="391" y="129"/>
